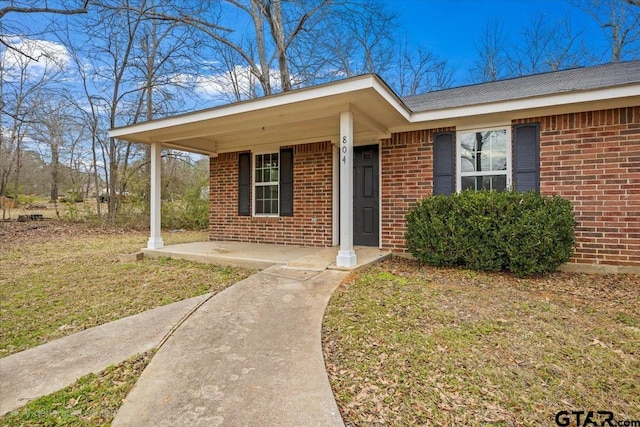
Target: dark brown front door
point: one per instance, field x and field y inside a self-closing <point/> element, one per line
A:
<point x="366" y="199"/>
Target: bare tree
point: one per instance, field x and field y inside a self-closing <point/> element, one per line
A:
<point x="546" y="46"/>
<point x="420" y="71"/>
<point x="89" y="112"/>
<point x="493" y="62"/>
<point x="277" y="26"/>
<point x="542" y="45"/>
<point x="620" y="21"/>
<point x="29" y="7"/>
<point x="37" y="7"/>
<point x="135" y="64"/>
<point x="360" y="38"/>
<point x="52" y="127"/>
<point x="22" y="80"/>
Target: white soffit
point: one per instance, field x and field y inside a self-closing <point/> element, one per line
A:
<point x="312" y="114"/>
<point x="301" y="114"/>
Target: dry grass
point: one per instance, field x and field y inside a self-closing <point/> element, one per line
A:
<point x="57" y="279"/>
<point x="93" y="400"/>
<point x="412" y="345"/>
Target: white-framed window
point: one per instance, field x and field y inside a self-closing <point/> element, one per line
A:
<point x="484" y="159"/>
<point x="266" y="172"/>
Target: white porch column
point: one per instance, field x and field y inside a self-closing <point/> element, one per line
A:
<point x="346" y="255"/>
<point x="155" y="238"/>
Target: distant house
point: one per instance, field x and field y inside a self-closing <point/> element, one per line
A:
<point x="340" y="163"/>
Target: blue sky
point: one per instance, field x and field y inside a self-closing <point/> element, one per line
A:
<point x="449" y="27"/>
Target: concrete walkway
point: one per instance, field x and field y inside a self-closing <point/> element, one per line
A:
<point x="53" y="366"/>
<point x="250" y="356"/>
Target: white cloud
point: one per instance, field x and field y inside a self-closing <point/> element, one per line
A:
<point x="228" y="85"/>
<point x="37" y="58"/>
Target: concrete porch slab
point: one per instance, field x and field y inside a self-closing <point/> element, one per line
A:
<point x="262" y="255"/>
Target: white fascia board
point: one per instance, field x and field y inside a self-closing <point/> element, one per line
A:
<point x="375" y="83"/>
<point x="539" y="102"/>
<point x="331" y="89"/>
<point x="392" y="99"/>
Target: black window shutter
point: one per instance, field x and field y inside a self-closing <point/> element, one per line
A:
<point x="526" y="157"/>
<point x="286" y="182"/>
<point x="444" y="163"/>
<point x="244" y="184"/>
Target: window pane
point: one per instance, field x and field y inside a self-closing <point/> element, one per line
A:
<point x="258" y="169"/>
<point x="498" y="182"/>
<point x="483" y="151"/>
<point x="469" y="183"/>
<point x="467" y="161"/>
<point x="495" y="147"/>
<point x="467" y="152"/>
<point x="266" y="171"/>
<point x="487" y="182"/>
<point x="468" y="141"/>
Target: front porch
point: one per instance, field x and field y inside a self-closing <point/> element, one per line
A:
<point x="332" y="119"/>
<point x="262" y="255"/>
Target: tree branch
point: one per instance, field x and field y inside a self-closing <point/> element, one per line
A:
<point x="16" y="9"/>
<point x="10" y="47"/>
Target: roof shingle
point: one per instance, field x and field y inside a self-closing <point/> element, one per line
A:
<point x="572" y="80"/>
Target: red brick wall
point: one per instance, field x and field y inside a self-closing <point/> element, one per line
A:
<point x="407" y="176"/>
<point x="593" y="160"/>
<point x="312" y="204"/>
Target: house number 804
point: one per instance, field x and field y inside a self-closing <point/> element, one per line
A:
<point x="344" y="149"/>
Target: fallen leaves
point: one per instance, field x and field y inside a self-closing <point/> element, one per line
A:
<point x="412" y="345"/>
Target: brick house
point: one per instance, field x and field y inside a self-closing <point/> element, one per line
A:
<point x="340" y="163"/>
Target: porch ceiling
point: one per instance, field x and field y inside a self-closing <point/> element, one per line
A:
<point x="289" y="118"/>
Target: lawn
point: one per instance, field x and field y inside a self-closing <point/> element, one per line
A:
<point x="412" y="345"/>
<point x="91" y="401"/>
<point x="57" y="279"/>
<point x="404" y="344"/>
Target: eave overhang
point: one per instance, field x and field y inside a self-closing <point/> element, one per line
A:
<point x="304" y="115"/>
<point x="312" y="115"/>
<point x="536" y="106"/>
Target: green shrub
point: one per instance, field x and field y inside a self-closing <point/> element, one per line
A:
<point x="190" y="212"/>
<point x="525" y="233"/>
<point x="72" y="197"/>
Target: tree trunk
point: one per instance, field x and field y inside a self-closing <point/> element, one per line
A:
<point x="257" y="14"/>
<point x="54" y="169"/>
<point x="274" y="14"/>
<point x="113" y="179"/>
